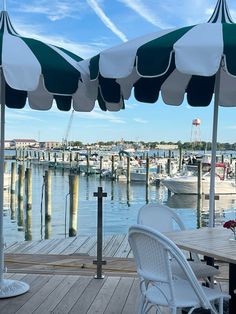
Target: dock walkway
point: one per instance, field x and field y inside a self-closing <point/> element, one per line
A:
<point x="60" y="273"/>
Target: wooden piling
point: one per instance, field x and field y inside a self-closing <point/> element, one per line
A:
<point x="87" y="168"/>
<point x="13" y="191"/>
<point x="28" y="189"/>
<point x="147" y="170"/>
<point x="199" y="178"/>
<point x="100" y="167"/>
<point x="28" y="226"/>
<point x="48" y="195"/>
<point x="128" y="170"/>
<point x="5" y="166"/>
<point x="180" y="157"/>
<point x="169" y="166"/>
<point x="21" y="195"/>
<point x="74" y="197"/>
<point x="113" y="167"/>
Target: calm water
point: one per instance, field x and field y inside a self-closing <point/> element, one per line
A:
<point x="120" y="207"/>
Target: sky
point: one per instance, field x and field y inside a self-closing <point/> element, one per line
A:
<point x="87" y="27"/>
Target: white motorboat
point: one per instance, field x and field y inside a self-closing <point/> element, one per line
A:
<point x="188" y="184"/>
<point x="138" y="174"/>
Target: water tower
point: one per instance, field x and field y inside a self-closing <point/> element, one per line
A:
<point x="195" y="132"/>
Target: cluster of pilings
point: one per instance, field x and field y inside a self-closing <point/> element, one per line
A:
<point x="20" y="200"/>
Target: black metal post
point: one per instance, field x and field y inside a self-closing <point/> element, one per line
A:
<point x="99" y="262"/>
<point x="232" y="288"/>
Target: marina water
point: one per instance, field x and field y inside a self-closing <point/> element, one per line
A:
<point x="120" y="207"/>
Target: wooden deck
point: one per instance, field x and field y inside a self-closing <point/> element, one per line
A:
<point x="73" y="294"/>
<point x="61" y="272"/>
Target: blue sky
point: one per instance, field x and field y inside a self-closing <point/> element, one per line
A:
<point x="88" y="26"/>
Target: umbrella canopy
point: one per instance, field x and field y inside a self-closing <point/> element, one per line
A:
<point x="197" y="61"/>
<point x="39" y="73"/>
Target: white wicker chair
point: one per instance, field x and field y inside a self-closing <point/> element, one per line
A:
<point x="162" y="218"/>
<point x="160" y="287"/>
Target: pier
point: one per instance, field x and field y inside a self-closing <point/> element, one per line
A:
<point x="60" y="273"/>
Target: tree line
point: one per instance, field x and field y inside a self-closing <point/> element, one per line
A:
<point x="153" y="145"/>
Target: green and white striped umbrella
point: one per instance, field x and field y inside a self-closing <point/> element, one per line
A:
<point x="194" y="61"/>
<point x="40" y="73"/>
<point x="174" y="62"/>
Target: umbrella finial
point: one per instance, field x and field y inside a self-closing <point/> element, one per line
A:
<point x="221" y="13"/>
<point x="4" y="5"/>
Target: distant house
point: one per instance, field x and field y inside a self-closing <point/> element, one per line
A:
<point x="8" y="144"/>
<point x="50" y="145"/>
<point x="23" y="143"/>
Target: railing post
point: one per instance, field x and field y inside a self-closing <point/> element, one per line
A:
<point x="99" y="262"/>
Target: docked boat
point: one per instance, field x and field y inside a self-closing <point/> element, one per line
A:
<point x="188" y="184"/>
<point x="139" y="174"/>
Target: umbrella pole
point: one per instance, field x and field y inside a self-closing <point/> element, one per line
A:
<point x="8" y="288"/>
<point x="213" y="152"/>
<point x="2" y="185"/>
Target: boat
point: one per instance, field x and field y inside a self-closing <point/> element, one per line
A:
<point x="188" y="184"/>
<point x="138" y="174"/>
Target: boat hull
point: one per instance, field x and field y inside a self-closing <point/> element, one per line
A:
<point x="188" y="185"/>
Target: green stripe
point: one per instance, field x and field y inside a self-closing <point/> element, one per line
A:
<point x="94" y="67"/>
<point x="154" y="57"/>
<point x="200" y="90"/>
<point x="147" y="89"/>
<point x="15" y="98"/>
<point x="110" y="89"/>
<point x="63" y="102"/>
<point x="229" y="38"/>
<point x="70" y="54"/>
<point x="59" y="76"/>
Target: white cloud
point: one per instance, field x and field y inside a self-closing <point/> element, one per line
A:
<point x="106" y="20"/>
<point x="53" y="9"/>
<point x="140" y="120"/>
<point x="97" y="114"/>
<point x="146" y="12"/>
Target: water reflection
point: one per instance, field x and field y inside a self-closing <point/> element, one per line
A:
<point x="120" y="207"/>
<point x="224" y="207"/>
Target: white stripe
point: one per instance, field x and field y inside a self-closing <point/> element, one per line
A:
<point x="85" y="96"/>
<point x="127" y="83"/>
<point x="119" y="61"/>
<point x="70" y="60"/>
<point x="21" y="68"/>
<point x="200" y="50"/>
<point x="40" y="99"/>
<point x="227" y="89"/>
<point x="174" y="87"/>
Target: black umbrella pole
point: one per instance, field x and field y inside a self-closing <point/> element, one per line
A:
<point x="2" y="190"/>
<point x="99" y="262"/>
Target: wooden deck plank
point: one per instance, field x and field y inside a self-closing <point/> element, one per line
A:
<point x="35" y="248"/>
<point x="14" y="304"/>
<point x="117" y="302"/>
<point x="75" y="245"/>
<point x="61" y="246"/>
<point x="54" y="298"/>
<point x="123" y="249"/>
<point x="132" y="301"/>
<point x="35" y="301"/>
<point x="86" y="246"/>
<point x="50" y="246"/>
<point x="102" y="299"/>
<point x="93" y="250"/>
<point x="70" y="298"/>
<point x="114" y="246"/>
<point x="31" y="245"/>
<point x="86" y="298"/>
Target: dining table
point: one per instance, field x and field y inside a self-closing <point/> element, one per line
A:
<point x="216" y="243"/>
